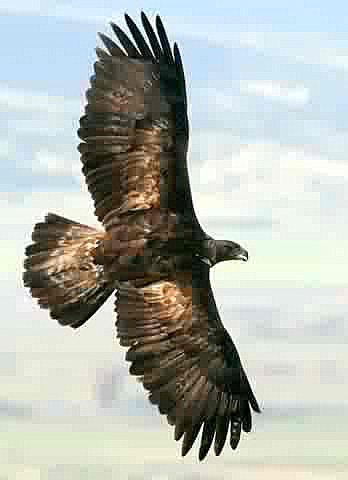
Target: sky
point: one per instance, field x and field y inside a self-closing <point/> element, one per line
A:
<point x="267" y="110"/>
<point x="267" y="89"/>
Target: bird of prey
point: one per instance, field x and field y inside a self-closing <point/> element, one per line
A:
<point x="152" y="250"/>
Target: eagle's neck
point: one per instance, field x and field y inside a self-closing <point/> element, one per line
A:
<point x="214" y="251"/>
<point x="208" y="251"/>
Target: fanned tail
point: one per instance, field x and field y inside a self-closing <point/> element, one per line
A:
<point x="61" y="271"/>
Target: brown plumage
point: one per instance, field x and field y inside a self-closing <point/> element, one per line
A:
<point x="152" y="250"/>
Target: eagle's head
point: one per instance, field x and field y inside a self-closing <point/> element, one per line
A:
<point x="215" y="251"/>
<point x="227" y="250"/>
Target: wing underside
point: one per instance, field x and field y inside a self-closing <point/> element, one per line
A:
<point x="135" y="128"/>
<point x="186" y="360"/>
<point x="134" y="143"/>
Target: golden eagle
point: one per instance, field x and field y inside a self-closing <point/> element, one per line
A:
<point x="152" y="249"/>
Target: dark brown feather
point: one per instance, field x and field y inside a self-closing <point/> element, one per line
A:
<point x="136" y="106"/>
<point x="134" y="140"/>
<point x="61" y="272"/>
<point x="179" y="375"/>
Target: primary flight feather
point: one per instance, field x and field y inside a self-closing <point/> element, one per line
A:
<point x="152" y="249"/>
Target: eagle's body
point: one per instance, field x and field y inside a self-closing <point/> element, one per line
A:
<point x="153" y="250"/>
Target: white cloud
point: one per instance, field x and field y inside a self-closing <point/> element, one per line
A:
<point x="293" y="95"/>
<point x="319" y="48"/>
<point x="272" y="183"/>
<point x="5" y="147"/>
<point x="21" y="211"/>
<point x="26" y="208"/>
<point x="30" y="101"/>
<point x="51" y="163"/>
<point x="46" y="8"/>
<point x="312" y="48"/>
<point x="62" y="10"/>
<point x="260" y="176"/>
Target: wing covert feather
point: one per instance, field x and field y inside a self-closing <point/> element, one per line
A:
<point x="182" y="354"/>
<point x="135" y="129"/>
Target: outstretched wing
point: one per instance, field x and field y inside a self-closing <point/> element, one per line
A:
<point x="135" y="127"/>
<point x="186" y="359"/>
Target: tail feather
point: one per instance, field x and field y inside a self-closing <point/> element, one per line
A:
<point x="61" y="272"/>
